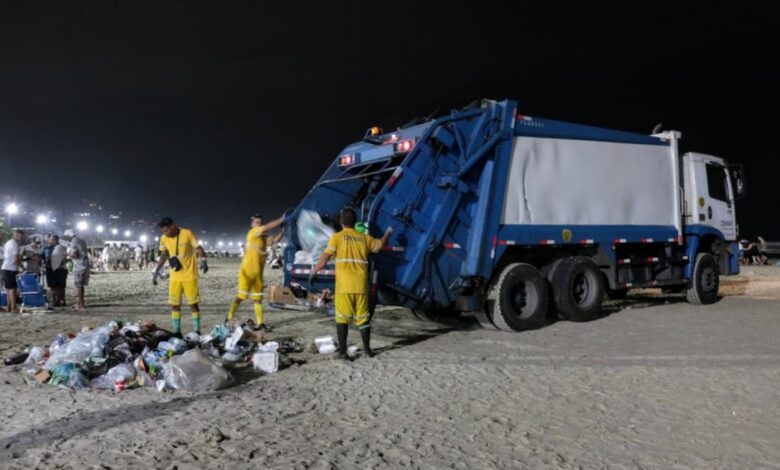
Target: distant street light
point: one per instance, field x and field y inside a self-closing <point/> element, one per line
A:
<point x="128" y="233"/>
<point x="157" y="239"/>
<point x="82" y="225"/>
<point x="114" y="231"/>
<point x="143" y="238"/>
<point x="12" y="209"/>
<point x="41" y="219"/>
<point x="220" y="243"/>
<point x="99" y="229"/>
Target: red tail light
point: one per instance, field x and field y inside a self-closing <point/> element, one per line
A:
<point x="346" y="160"/>
<point x="404" y="146"/>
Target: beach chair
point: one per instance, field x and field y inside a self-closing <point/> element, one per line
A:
<point x="31" y="290"/>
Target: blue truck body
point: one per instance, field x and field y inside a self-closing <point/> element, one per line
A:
<point x="441" y="185"/>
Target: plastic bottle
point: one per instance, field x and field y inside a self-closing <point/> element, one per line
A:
<point x="17" y="359"/>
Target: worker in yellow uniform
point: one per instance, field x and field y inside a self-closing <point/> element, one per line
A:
<point x="250" y="275"/>
<point x="180" y="248"/>
<point x="351" y="250"/>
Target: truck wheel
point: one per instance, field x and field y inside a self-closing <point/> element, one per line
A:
<point x="705" y="281"/>
<point x="521" y="298"/>
<point x="578" y="289"/>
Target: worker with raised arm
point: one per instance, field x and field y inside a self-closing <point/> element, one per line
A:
<point x="180" y="248"/>
<point x="250" y="275"/>
<point x="351" y="250"/>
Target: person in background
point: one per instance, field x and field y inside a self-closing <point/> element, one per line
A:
<point x="32" y="257"/>
<point x="10" y="267"/>
<point x="762" y="251"/>
<point x="138" y="256"/>
<point x="77" y="251"/>
<point x="351" y="250"/>
<point x="55" y="266"/>
<point x="250" y="275"/>
<point x="180" y="247"/>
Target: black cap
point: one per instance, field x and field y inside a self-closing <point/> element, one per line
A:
<point x="164" y="222"/>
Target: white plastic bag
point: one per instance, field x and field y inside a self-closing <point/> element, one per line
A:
<point x="194" y="371"/>
<point x="313" y="234"/>
<point x="266" y="359"/>
<point x="126" y="372"/>
<point x="86" y="344"/>
<point x="325" y="344"/>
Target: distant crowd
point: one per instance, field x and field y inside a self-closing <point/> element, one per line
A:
<point x="753" y="252"/>
<point x="55" y="260"/>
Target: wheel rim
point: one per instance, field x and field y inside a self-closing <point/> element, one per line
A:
<point x="580" y="288"/>
<point x="709" y="279"/>
<point x="523" y="299"/>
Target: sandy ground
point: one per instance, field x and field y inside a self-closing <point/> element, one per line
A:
<point x="656" y="383"/>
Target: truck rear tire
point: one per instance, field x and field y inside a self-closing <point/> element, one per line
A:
<point x="705" y="281"/>
<point x="578" y="289"/>
<point x="521" y="298"/>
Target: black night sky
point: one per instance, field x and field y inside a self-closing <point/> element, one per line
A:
<point x="211" y="112"/>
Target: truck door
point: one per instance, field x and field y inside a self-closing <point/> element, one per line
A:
<point x="714" y="198"/>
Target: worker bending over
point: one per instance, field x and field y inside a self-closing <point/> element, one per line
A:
<point x="351" y="250"/>
<point x="180" y="247"/>
<point x="250" y="275"/>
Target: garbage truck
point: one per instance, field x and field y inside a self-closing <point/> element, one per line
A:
<point x="513" y="218"/>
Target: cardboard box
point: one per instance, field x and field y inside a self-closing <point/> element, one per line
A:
<point x="282" y="295"/>
<point x="43" y="376"/>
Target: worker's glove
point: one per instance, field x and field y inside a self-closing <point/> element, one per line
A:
<point x="204" y="266"/>
<point x="155" y="277"/>
<point x="312" y="277"/>
<point x="390" y="230"/>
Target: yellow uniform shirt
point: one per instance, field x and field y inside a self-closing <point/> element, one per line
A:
<point x="187" y="256"/>
<point x="254" y="256"/>
<point x="351" y="250"/>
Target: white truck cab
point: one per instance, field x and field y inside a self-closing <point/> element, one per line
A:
<point x="711" y="187"/>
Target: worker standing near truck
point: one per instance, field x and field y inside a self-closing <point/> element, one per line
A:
<point x="351" y="250"/>
<point x="180" y="248"/>
<point x="250" y="275"/>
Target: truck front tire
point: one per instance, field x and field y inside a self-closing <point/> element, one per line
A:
<point x="578" y="289"/>
<point x="705" y="281"/>
<point x="520" y="298"/>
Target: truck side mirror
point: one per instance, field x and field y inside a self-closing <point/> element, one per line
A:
<point x="738" y="182"/>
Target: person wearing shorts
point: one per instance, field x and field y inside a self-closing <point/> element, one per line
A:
<point x="351" y="249"/>
<point x="10" y="268"/>
<point x="181" y="248"/>
<point x="79" y="254"/>
<point x="250" y="275"/>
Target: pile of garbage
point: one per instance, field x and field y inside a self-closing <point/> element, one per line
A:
<point x="297" y="297"/>
<point x="119" y="357"/>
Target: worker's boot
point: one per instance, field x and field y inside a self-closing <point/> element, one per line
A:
<point x="365" y="334"/>
<point x="341" y="334"/>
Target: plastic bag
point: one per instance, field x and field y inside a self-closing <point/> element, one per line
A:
<point x="194" y="371"/>
<point x="266" y="359"/>
<point x="126" y="372"/>
<point x="86" y="344"/>
<point x="313" y="234"/>
<point x="36" y="354"/>
<point x="77" y="381"/>
<point x="60" y="374"/>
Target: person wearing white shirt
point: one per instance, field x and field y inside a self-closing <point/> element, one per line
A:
<point x="10" y="267"/>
